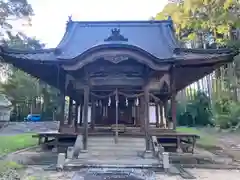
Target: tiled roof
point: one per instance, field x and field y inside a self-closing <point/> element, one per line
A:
<point x="40" y="55"/>
<point x="154" y="37"/>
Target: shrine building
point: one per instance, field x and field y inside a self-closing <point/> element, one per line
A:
<point x="117" y="68"/>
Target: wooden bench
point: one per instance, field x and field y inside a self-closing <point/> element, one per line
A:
<point x="119" y="128"/>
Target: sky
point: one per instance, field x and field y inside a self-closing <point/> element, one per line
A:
<point x="49" y="22"/>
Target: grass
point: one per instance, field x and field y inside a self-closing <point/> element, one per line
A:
<point x="13" y="143"/>
<point x="206" y="140"/>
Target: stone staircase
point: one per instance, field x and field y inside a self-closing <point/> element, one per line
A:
<point x="103" y="152"/>
<point x="106" y="146"/>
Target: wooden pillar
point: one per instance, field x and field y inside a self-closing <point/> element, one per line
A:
<point x="61" y="110"/>
<point x="137" y="116"/>
<point x="76" y="115"/>
<point x="165" y="111"/>
<point x="116" y="116"/>
<point x="141" y="112"/>
<point x="173" y="99"/>
<point x="70" y="111"/>
<point x="161" y="116"/>
<point x="93" y="113"/>
<point x="146" y="118"/>
<point x="157" y="114"/>
<point x="173" y="110"/>
<point x="81" y="115"/>
<point x="85" y="117"/>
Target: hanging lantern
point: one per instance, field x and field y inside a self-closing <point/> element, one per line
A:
<point x="109" y="101"/>
<point x="137" y="102"/>
<point x="126" y="102"/>
<point x="96" y="103"/>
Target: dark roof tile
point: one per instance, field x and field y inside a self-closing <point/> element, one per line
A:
<point x="155" y="37"/>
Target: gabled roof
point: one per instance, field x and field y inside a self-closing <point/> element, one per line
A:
<point x="154" y="37"/>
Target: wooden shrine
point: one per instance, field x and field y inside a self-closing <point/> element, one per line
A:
<point x="117" y="69"/>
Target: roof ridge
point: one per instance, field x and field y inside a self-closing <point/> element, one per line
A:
<point x="122" y="21"/>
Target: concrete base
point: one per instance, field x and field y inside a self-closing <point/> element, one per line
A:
<point x="55" y="150"/>
<point x="147" y="154"/>
<point x="179" y="150"/>
<point x="70" y="152"/>
<point x="61" y="160"/>
<point x="83" y="151"/>
<point x="83" y="154"/>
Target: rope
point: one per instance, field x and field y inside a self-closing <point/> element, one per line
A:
<point x="131" y="95"/>
<point x="120" y="93"/>
<point x="156" y="99"/>
<point x="103" y="97"/>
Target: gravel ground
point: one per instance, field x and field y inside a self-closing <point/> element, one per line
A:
<point x="14" y="128"/>
<point x="229" y="140"/>
<point x="200" y="174"/>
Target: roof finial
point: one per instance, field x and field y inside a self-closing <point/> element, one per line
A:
<point x="70" y="18"/>
<point x="69" y="22"/>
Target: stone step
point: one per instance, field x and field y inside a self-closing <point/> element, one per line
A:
<point x="129" y="163"/>
<point x="114" y="154"/>
<point x="105" y="146"/>
<point x="120" y="140"/>
<point x="112" y="147"/>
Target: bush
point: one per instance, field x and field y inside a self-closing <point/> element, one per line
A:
<point x="196" y="112"/>
<point x="227" y="112"/>
<point x="223" y="121"/>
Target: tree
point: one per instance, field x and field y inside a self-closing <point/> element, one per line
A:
<point x="14" y="10"/>
<point x="195" y="19"/>
<point x="211" y="24"/>
<point x="26" y="93"/>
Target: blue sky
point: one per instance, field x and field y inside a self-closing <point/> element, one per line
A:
<point x="50" y="18"/>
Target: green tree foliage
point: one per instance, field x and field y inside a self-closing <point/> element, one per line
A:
<point x="197" y="111"/>
<point x="195" y="21"/>
<point x="14" y="10"/>
<point x="194" y="17"/>
<point x="27" y="94"/>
